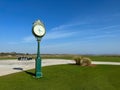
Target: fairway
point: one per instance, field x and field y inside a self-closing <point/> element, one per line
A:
<point x="65" y="77"/>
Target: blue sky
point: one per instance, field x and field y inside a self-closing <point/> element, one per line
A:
<point x="72" y="26"/>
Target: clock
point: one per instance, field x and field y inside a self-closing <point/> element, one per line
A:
<point x="38" y="29"/>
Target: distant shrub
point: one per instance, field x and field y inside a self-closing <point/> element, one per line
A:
<point x="77" y="59"/>
<point x="83" y="61"/>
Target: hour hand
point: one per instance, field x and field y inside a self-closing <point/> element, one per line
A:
<point x="39" y="30"/>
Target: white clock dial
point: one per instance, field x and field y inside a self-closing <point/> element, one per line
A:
<point x="39" y="30"/>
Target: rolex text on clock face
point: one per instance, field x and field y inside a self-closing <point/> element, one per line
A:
<point x="39" y="30"/>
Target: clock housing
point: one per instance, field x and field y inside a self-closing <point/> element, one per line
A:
<point x="38" y="29"/>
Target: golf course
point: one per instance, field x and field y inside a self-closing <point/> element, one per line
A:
<point x="66" y="77"/>
<point x="59" y="44"/>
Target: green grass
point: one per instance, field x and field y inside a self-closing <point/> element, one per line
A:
<point x="58" y="56"/>
<point x="105" y="58"/>
<point x="94" y="58"/>
<point x="71" y="56"/>
<point x="7" y="58"/>
<point x="65" y="77"/>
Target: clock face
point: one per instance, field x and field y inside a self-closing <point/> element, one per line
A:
<point x="39" y="30"/>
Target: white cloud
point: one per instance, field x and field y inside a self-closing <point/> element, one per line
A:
<point x="67" y="26"/>
<point x="29" y="39"/>
<point x="109" y="27"/>
<point x="63" y="31"/>
<point x="57" y="35"/>
<point x="13" y="43"/>
<point x="102" y="36"/>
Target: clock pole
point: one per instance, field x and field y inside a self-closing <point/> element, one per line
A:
<point x="38" y="31"/>
<point x="38" y="71"/>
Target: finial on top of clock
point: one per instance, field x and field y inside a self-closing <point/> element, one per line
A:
<point x="38" y="22"/>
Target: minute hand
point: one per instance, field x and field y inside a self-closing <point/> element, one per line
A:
<point x="39" y="31"/>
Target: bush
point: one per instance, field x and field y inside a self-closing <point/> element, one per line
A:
<point x="77" y="59"/>
<point x="83" y="61"/>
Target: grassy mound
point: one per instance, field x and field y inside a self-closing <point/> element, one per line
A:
<point x="65" y="77"/>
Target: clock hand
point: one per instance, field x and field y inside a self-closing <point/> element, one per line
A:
<point x="39" y="30"/>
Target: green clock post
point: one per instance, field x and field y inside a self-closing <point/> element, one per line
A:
<point x="38" y="31"/>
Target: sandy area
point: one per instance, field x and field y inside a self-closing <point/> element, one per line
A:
<point x="13" y="66"/>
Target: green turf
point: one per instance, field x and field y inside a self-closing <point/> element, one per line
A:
<point x="71" y="57"/>
<point x="105" y="58"/>
<point x="93" y="58"/>
<point x="65" y="77"/>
